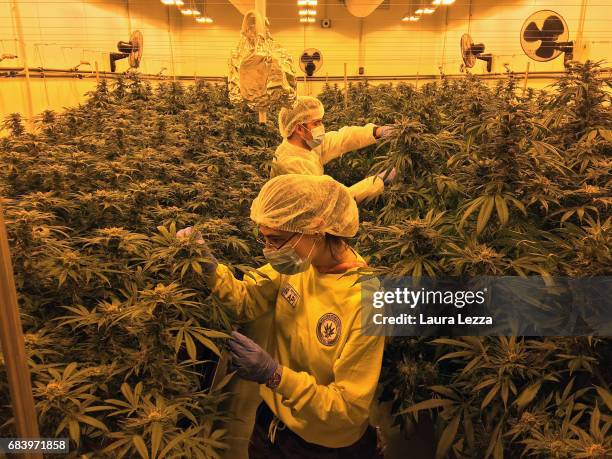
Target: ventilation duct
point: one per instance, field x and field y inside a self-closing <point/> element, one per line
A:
<point x="358" y="8"/>
<point x="361" y="8"/>
<point x="243" y="5"/>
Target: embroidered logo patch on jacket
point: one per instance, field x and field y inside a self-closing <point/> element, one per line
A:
<point x="291" y="295"/>
<point x="329" y="328"/>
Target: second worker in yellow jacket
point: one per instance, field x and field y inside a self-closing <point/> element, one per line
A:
<point x="306" y="147"/>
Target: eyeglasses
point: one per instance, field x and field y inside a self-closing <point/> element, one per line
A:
<point x="273" y="241"/>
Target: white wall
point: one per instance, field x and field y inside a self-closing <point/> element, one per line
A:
<point x="499" y="28"/>
<point x="392" y="47"/>
<point x="59" y="34"/>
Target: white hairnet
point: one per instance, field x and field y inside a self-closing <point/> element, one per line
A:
<point x="308" y="204"/>
<point x="306" y="109"/>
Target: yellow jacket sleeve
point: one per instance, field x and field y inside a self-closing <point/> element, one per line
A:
<point x="346" y="401"/>
<point x="367" y="189"/>
<point x="348" y="138"/>
<point x="249" y="298"/>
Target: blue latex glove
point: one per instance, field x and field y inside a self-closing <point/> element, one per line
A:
<point x="250" y="360"/>
<point x="209" y="266"/>
<point x="187" y="232"/>
<point x="388" y="176"/>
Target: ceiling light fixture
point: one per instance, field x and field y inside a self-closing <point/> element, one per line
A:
<point x="204" y="18"/>
<point x="307" y="12"/>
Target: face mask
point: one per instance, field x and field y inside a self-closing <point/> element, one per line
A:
<point x="318" y="134"/>
<point x="286" y="260"/>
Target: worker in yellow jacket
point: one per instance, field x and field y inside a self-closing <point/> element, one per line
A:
<point x="318" y="371"/>
<point x="306" y="147"/>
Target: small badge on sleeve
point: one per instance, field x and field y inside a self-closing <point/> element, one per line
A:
<point x="291" y="295"/>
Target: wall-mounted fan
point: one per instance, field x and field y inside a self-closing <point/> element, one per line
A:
<point x="131" y="49"/>
<point x="471" y="51"/>
<point x="545" y="36"/>
<point x="311" y="61"/>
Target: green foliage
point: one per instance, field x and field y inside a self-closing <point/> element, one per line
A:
<point x="112" y="302"/>
<point x="503" y="397"/>
<point x="493" y="183"/>
<point x="122" y="334"/>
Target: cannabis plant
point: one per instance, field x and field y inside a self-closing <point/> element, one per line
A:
<point x="122" y="335"/>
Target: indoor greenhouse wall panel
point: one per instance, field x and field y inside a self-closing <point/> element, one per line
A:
<point x="61" y="35"/>
<point x="390" y="46"/>
<point x="204" y="50"/>
<point x="499" y="26"/>
<point x="50" y="94"/>
<point x="77" y="30"/>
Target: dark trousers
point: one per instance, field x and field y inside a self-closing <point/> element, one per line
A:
<point x="288" y="445"/>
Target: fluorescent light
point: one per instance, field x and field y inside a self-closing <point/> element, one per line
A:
<point x="304" y="19"/>
<point x="302" y="2"/>
<point x="311" y="2"/>
<point x="179" y="2"/>
<point x="410" y="18"/>
<point x="424" y="11"/>
<point x="195" y="12"/>
<point x="204" y="20"/>
<point x="167" y="2"/>
<point x="443" y="2"/>
<point x="186" y="11"/>
<point x="311" y="19"/>
<point x="307" y="12"/>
